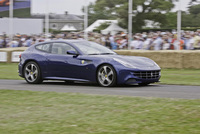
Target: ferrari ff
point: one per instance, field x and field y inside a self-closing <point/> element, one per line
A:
<point x="80" y="60"/>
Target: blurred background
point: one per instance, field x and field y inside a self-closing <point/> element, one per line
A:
<point x="117" y="24"/>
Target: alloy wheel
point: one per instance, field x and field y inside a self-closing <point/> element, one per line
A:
<point x="32" y="73"/>
<point x="106" y="76"/>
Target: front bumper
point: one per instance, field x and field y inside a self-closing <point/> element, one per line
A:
<point x="139" y="76"/>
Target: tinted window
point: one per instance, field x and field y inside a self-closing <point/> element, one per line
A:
<point x="44" y="47"/>
<point x="61" y="48"/>
<point x="92" y="48"/>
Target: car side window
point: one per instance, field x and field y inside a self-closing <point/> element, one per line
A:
<point x="61" y="48"/>
<point x="44" y="47"/>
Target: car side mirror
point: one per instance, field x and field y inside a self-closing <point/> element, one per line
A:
<point x="71" y="52"/>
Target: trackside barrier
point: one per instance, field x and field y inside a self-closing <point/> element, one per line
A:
<point x="182" y="59"/>
<point x="12" y="54"/>
<point x="3" y="56"/>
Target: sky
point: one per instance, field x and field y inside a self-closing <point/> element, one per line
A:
<point x="59" y="6"/>
<point x="183" y="5"/>
<point x="75" y="6"/>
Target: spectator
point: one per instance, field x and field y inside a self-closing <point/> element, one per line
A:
<point x="28" y="42"/>
<point x="123" y="43"/>
<point x="157" y="43"/>
<point x="146" y="41"/>
<point x="112" y="41"/>
<point x="166" y="44"/>
<point x="135" y="42"/>
<point x="196" y="40"/>
<point x="178" y="45"/>
<point x="107" y="44"/>
<point x="4" y="42"/>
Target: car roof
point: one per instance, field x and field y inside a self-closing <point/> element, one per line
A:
<point x="67" y="40"/>
<point x="62" y="40"/>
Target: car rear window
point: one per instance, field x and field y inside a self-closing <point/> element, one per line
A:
<point x="44" y="47"/>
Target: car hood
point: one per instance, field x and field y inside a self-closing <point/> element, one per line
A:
<point x="139" y="62"/>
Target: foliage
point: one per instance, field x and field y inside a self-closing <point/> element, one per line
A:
<point x="193" y="1"/>
<point x="19" y="13"/>
<point x="188" y="19"/>
<point x="142" y="9"/>
<point x="169" y="29"/>
<point x="156" y="10"/>
<point x="195" y="9"/>
<point x="171" y="20"/>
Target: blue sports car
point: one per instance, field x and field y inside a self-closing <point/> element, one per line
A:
<point x="80" y="60"/>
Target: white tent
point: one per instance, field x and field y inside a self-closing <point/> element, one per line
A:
<point x="113" y="29"/>
<point x="98" y="23"/>
<point x="68" y="28"/>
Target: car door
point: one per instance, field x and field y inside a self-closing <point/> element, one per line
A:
<point x="61" y="64"/>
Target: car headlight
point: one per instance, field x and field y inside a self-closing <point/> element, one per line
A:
<point x="124" y="63"/>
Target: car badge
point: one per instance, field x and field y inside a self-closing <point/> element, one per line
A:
<point x="82" y="61"/>
<point x="151" y="74"/>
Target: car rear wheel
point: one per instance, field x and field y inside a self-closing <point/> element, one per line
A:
<point x="32" y="73"/>
<point x="106" y="76"/>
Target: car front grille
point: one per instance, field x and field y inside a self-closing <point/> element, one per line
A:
<point x="147" y="74"/>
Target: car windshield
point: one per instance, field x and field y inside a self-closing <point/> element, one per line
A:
<point x="92" y="48"/>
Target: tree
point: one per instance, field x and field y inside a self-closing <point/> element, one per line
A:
<point x="171" y="20"/>
<point x="195" y="9"/>
<point x="193" y="17"/>
<point x="193" y="1"/>
<point x="142" y="9"/>
<point x="187" y="20"/>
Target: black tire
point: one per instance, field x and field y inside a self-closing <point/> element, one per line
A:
<point x="106" y="76"/>
<point x="32" y="73"/>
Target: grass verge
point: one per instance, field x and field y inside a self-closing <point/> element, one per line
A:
<point x="9" y="71"/>
<point x="30" y="112"/>
<point x="169" y="76"/>
<point x="181" y="76"/>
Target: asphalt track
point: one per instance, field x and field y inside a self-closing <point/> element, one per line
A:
<point x="159" y="91"/>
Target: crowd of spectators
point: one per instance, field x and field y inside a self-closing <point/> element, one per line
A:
<point x="141" y="41"/>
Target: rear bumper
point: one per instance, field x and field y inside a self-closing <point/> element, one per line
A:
<point x="20" y="70"/>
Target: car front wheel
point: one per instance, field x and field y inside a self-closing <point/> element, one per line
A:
<point x="106" y="76"/>
<point x="32" y="73"/>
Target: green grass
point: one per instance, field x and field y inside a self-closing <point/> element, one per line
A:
<point x="20" y="13"/>
<point x="181" y="76"/>
<point x="9" y="71"/>
<point x="169" y="76"/>
<point x="26" y="112"/>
